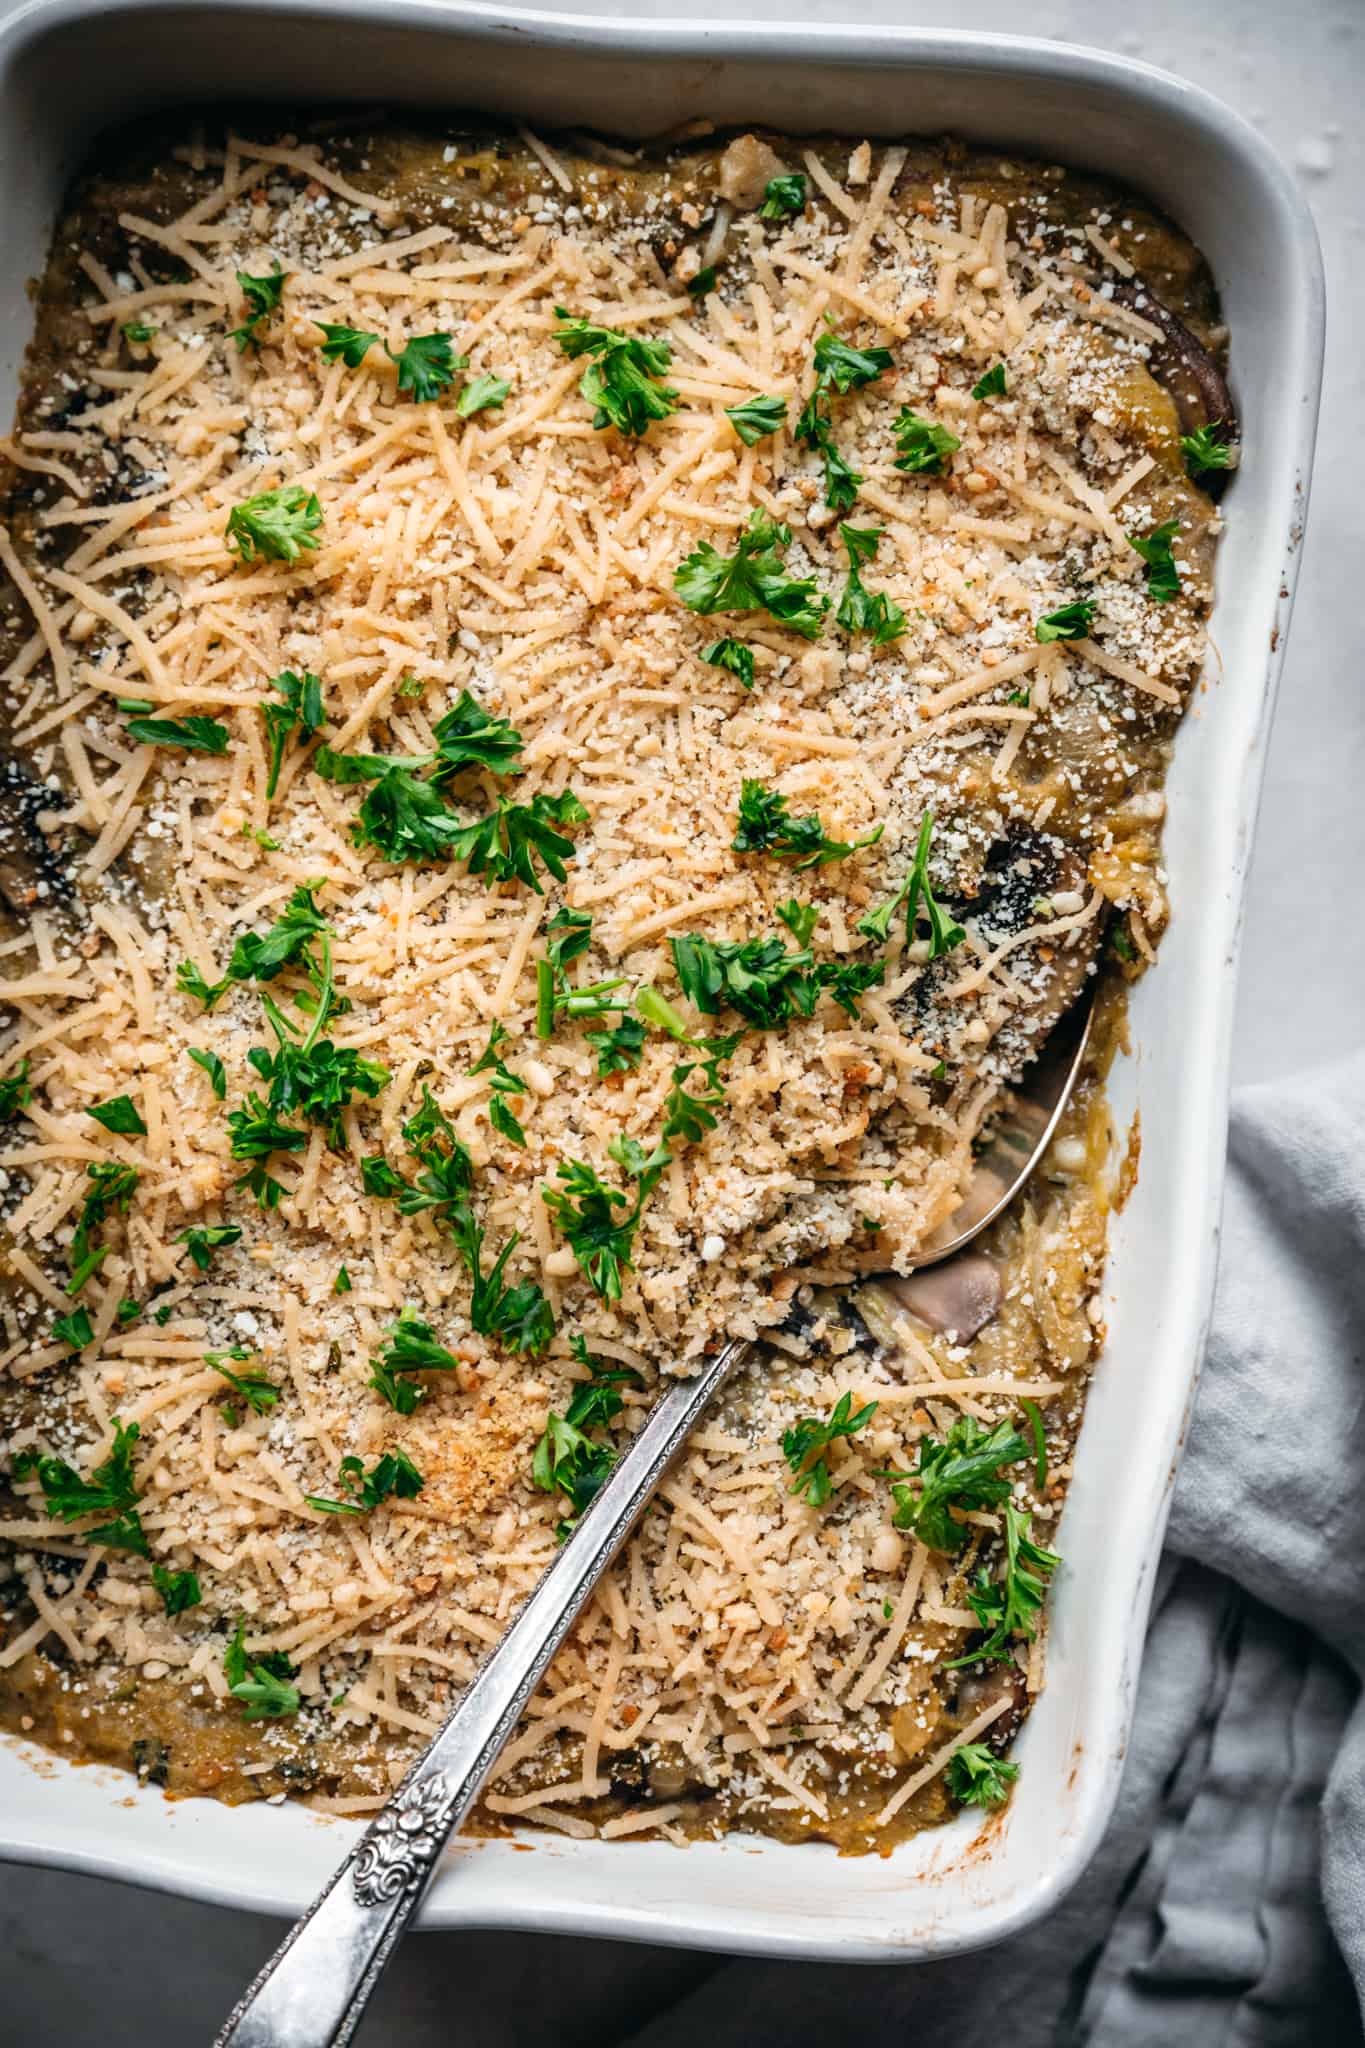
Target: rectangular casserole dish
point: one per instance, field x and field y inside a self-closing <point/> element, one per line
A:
<point x="70" y="67"/>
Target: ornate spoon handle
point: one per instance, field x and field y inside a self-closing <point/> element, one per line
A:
<point x="312" y="1992"/>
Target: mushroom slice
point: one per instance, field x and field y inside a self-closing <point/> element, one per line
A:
<point x="956" y="1300"/>
<point x="1192" y="376"/>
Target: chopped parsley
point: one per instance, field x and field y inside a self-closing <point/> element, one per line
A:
<point x="191" y="982"/>
<point x="15" y="1093"/>
<point x="618" y="1049"/>
<point x="120" y="1115"/>
<point x="393" y="1477"/>
<point x="734" y="657"/>
<point x="763" y="981"/>
<point x="1034" y="1416"/>
<point x="764" y="825"/>
<point x="799" y="918"/>
<point x="111" y="1489"/>
<point x="1069" y="621"/>
<point x="411" y="1346"/>
<point x="961" y="1472"/>
<point x="1208" y="447"/>
<point x="482" y="393"/>
<point x="978" y="1777"/>
<point x="924" y="445"/>
<point x="111" y="1191"/>
<point x="1009" y="1606"/>
<point x="407" y="818"/>
<point x="806" y="1446"/>
<point x="621" y="379"/>
<point x="179" y="1590"/>
<point x="349" y="345"/>
<point x="753" y="579"/>
<point x="757" y="417"/>
<point x="277" y="526"/>
<point x="862" y="610"/>
<point x="502" y="1083"/>
<point x="1163" y="578"/>
<point x="213" y="1067"/>
<point x="917" y="896"/>
<point x="262" y="295"/>
<point x="585" y="1209"/>
<point x="377" y="1177"/>
<point x="342" y="1283"/>
<point x="261" y="1683"/>
<point x="301" y="712"/>
<point x="568" y="935"/>
<point x="992" y="385"/>
<point x="75" y="1330"/>
<point x="137" y="332"/>
<point x="1120" y="942"/>
<point x="196" y="735"/>
<point x="259" y="1393"/>
<point x="468" y="737"/>
<point x="203" y="1240"/>
<point x="784" y="197"/>
<point x="704" y="283"/>
<point x="426" y="366"/>
<point x="567" y="1460"/>
<point x="839" y="369"/>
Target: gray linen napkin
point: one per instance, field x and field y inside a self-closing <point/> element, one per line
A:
<point x="1201" y="1921"/>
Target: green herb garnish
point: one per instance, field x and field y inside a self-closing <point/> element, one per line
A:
<point x="137" y="332"/>
<point x="977" y="1777"/>
<point x="262" y="295"/>
<point x="502" y="1084"/>
<point x="120" y="1115"/>
<point x="111" y="1489"/>
<point x="757" y="417"/>
<point x="620" y="381"/>
<point x="393" y="1477"/>
<point x="806" y="1446"/>
<point x="342" y="1283"/>
<point x="783" y="197"/>
<point x="861" y="610"/>
<point x="468" y="737"/>
<point x="213" y="1067"/>
<point x="733" y="656"/>
<point x="411" y="1346"/>
<point x="111" y="1192"/>
<point x="1009" y="1606"/>
<point x="839" y="369"/>
<point x="427" y="365"/>
<point x="924" y="445"/>
<point x="567" y="1460"/>
<point x="1069" y="621"/>
<point x="75" y="1330"/>
<point x="261" y="1683"/>
<point x="1208" y="447"/>
<point x="1163" y="578"/>
<point x="799" y="918"/>
<point x="568" y="935"/>
<point x="301" y="712"/>
<point x="278" y="525"/>
<point x="15" y="1093"/>
<point x="992" y="385"/>
<point x="196" y="735"/>
<point x="961" y="1472"/>
<point x="349" y="345"/>
<point x="259" y="1393"/>
<point x="179" y="1590"/>
<point x="752" y="579"/>
<point x="618" y="1049"/>
<point x="764" y="825"/>
<point x="917" y="896"/>
<point x="482" y="393"/>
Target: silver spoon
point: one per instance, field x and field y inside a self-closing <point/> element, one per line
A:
<point x="314" y="1989"/>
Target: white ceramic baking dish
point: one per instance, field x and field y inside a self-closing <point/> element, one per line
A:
<point x="69" y="67"/>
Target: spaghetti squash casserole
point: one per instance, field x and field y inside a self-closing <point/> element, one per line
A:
<point x="574" y="716"/>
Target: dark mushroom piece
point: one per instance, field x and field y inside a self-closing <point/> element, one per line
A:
<point x="978" y="1690"/>
<point x="956" y="1299"/>
<point x="1181" y="362"/>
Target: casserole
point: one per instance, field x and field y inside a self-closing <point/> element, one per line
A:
<point x="964" y="1887"/>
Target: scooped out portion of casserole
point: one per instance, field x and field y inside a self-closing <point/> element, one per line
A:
<point x="575" y="717"/>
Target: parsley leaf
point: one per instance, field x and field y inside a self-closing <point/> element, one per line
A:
<point x="783" y="197"/>
<point x="992" y="385"/>
<point x="410" y="1347"/>
<point x="377" y="1177"/>
<point x="924" y="445"/>
<point x="752" y="579"/>
<point x="196" y="735"/>
<point x="733" y="656"/>
<point x="277" y="525"/>
<point x="111" y="1191"/>
<point x="261" y="1683"/>
<point x="392" y="1477"/>
<point x="502" y="1084"/>
<point x="427" y="365"/>
<point x="137" y="332"/>
<point x="757" y="417"/>
<point x="861" y="610"/>
<point x="843" y="368"/>
<point x="763" y="981"/>
<point x="620" y="380"/>
<point x="700" y="286"/>
<point x="1208" y="447"/>
<point x="111" y="1489"/>
<point x="342" y="1283"/>
<point x="403" y="817"/>
<point x="178" y="1590"/>
<point x="568" y="935"/>
<point x="120" y="1115"/>
<point x="619" y="1049"/>
<point x="799" y="918"/>
<point x="75" y="1330"/>
<point x="806" y="1447"/>
<point x="839" y="369"/>
<point x="287" y="943"/>
<point x="1009" y="1606"/>
<point x="316" y="1079"/>
<point x="961" y="1472"/>
<point x="259" y="1393"/>
<point x="567" y="1459"/>
<point x="262" y="295"/>
<point x="977" y="1777"/>
<point x="764" y="825"/>
<point x="585" y="1210"/>
<point x="467" y="737"/>
<point x="204" y="1240"/>
<point x="191" y="982"/>
<point x="506" y="843"/>
<point x="1163" y="578"/>
<point x="15" y="1093"/>
<point x="482" y="393"/>
<point x="919" y="900"/>
<point x="213" y="1067"/>
<point x="349" y="345"/>
<point x="300" y="712"/>
<point x="1069" y="621"/>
